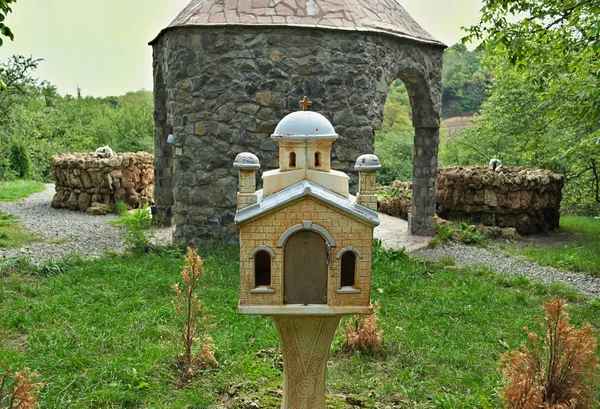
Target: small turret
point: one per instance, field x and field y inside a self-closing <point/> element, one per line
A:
<point x="367" y="167"/>
<point x="248" y="164"/>
<point x="304" y="140"/>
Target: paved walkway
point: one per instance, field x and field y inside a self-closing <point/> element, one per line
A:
<point x="393" y="233"/>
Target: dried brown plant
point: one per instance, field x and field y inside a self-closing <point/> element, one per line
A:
<point x="18" y="390"/>
<point x="191" y="318"/>
<point x="554" y="370"/>
<point x="363" y="334"/>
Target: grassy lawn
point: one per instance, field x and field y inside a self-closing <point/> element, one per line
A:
<point x="102" y="334"/>
<point x="18" y="189"/>
<point x="581" y="255"/>
<point x="12" y="234"/>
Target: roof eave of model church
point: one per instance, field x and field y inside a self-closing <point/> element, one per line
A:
<point x="302" y="189"/>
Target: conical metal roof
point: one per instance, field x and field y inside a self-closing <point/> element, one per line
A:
<point x="384" y="16"/>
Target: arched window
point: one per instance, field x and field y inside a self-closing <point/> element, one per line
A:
<point x="317" y="159"/>
<point x="292" y="160"/>
<point x="348" y="273"/>
<point x="262" y="269"/>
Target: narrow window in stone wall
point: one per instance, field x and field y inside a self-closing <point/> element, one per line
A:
<point x="292" y="159"/>
<point x="317" y="159"/>
<point x="262" y="269"/>
<point x="348" y="275"/>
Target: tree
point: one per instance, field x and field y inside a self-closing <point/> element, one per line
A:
<point x="555" y="45"/>
<point x="4" y="29"/>
<point x="545" y="110"/>
<point x="32" y="110"/>
<point x="465" y="81"/>
<point x="4" y="10"/>
<point x="394" y="144"/>
<point x="18" y="83"/>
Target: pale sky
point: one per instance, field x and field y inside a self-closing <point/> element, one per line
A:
<point x="102" y="46"/>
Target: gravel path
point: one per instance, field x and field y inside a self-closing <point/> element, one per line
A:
<point x="518" y="265"/>
<point x="81" y="233"/>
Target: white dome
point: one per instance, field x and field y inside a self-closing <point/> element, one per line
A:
<point x="304" y="125"/>
<point x="246" y="160"/>
<point x="367" y="162"/>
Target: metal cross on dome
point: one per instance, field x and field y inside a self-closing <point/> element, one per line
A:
<point x="305" y="103"/>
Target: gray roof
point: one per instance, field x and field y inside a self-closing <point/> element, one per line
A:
<point x="384" y="16"/>
<point x="299" y="190"/>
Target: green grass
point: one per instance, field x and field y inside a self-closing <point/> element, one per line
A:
<point x="19" y="189"/>
<point x="582" y="255"/>
<point x="102" y="333"/>
<point x="12" y="234"/>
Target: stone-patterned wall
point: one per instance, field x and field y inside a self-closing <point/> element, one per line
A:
<point x="163" y="159"/>
<point x="82" y="180"/>
<point x="267" y="230"/>
<point x="526" y="199"/>
<point x="222" y="91"/>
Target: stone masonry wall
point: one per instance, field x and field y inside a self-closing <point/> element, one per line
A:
<point x="526" y="199"/>
<point x="226" y="88"/>
<point x="82" y="180"/>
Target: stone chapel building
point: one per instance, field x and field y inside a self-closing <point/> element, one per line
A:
<point x="227" y="71"/>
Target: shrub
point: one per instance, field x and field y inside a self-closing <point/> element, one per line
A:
<point x="136" y="225"/>
<point x="19" y="160"/>
<point x="363" y="334"/>
<point x="192" y="320"/>
<point x="120" y="208"/>
<point x="554" y="370"/>
<point x="17" y="389"/>
<point x="444" y="232"/>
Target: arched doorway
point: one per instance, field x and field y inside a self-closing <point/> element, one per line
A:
<point x="305" y="269"/>
<point x="394" y="142"/>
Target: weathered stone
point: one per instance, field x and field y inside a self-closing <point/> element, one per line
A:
<point x="525" y="199"/>
<point x="510" y="233"/>
<point x="97" y="209"/>
<point x="81" y="179"/>
<point x="83" y="201"/>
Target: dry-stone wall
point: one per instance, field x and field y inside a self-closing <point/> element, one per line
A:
<point x="526" y="199"/>
<point x="84" y="182"/>
<point x="395" y="200"/>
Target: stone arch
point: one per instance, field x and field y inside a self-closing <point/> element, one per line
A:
<point x="307" y="225"/>
<point x="423" y="83"/>
<point x="347" y="249"/>
<point x="262" y="248"/>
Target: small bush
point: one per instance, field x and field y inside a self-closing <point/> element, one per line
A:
<point x="363" y="334"/>
<point x="18" y="390"/>
<point x="19" y="160"/>
<point x="444" y="232"/>
<point x="192" y="320"/>
<point x="554" y="370"/>
<point x="120" y="208"/>
<point x="136" y="225"/>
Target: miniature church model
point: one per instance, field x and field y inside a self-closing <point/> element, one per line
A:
<point x="305" y="242"/>
<point x="305" y="248"/>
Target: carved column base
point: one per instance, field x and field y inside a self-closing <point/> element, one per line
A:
<point x="305" y="345"/>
